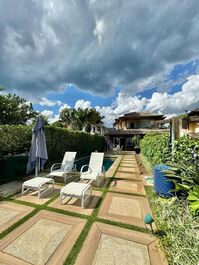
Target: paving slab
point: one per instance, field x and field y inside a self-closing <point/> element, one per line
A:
<point x="46" y="238"/>
<point x="127" y="186"/>
<point x="10" y="188"/>
<point x="123" y="208"/>
<point x="10" y="213"/>
<point x="130" y="176"/>
<point x="74" y="204"/>
<point x="33" y="198"/>
<point x="130" y="165"/>
<point x="129" y="169"/>
<point x="110" y="245"/>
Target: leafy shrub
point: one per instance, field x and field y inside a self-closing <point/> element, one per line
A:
<point x="156" y="148"/>
<point x="185" y="147"/>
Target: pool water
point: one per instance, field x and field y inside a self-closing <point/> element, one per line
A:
<point x="107" y="163"/>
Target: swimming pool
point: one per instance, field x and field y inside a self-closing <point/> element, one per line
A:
<point x="107" y="163"/>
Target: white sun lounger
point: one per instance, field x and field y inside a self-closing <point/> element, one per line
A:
<point x="95" y="167"/>
<point x="64" y="168"/>
<point x="76" y="190"/>
<point x="37" y="183"/>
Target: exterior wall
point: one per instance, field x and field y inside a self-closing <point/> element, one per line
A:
<point x="194" y="127"/>
<point x="126" y="125"/>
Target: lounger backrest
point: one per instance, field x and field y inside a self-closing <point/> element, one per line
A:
<point x="96" y="162"/>
<point x="69" y="159"/>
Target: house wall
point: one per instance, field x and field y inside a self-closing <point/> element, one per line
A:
<point x="194" y="127"/>
<point x="147" y="123"/>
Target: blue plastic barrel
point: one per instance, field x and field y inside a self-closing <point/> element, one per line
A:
<point x="162" y="184"/>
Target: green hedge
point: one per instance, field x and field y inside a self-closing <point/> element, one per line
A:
<point x="16" y="140"/>
<point x="184" y="148"/>
<point x="156" y="148"/>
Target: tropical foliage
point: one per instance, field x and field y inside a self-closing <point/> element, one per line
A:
<point x="80" y="119"/>
<point x="14" y="109"/>
<point x="156" y="148"/>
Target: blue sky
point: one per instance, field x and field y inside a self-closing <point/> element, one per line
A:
<point x="117" y="56"/>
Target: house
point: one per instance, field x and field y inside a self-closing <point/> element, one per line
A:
<point x="189" y="123"/>
<point x="131" y="124"/>
<point x="98" y="129"/>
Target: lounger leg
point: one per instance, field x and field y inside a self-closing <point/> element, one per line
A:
<point x="22" y="190"/>
<point x="39" y="193"/>
<point x="60" y="198"/>
<point x="82" y="202"/>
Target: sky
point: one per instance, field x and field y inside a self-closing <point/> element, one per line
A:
<point x="115" y="55"/>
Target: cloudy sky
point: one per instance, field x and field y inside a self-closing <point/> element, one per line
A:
<point x="115" y="55"/>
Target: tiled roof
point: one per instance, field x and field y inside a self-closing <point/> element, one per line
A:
<point x="134" y="131"/>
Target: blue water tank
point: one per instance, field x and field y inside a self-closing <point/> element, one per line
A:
<point x="162" y="184"/>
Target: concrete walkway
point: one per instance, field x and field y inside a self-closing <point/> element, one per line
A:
<point x="125" y="202"/>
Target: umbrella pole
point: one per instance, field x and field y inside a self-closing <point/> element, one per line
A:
<point x="37" y="167"/>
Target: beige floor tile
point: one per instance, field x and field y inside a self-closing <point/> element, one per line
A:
<point x="32" y="196"/>
<point x="130" y="176"/>
<point x="130" y="165"/>
<point x="123" y="208"/>
<point x="74" y="204"/>
<point x="10" y="213"/>
<point x="46" y="238"/>
<point x="127" y="186"/>
<point x="110" y="245"/>
<point x="129" y="169"/>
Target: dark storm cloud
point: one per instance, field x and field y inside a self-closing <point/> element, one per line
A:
<point x="95" y="45"/>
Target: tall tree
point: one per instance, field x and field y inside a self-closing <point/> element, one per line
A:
<point x="14" y="109"/>
<point x="80" y="119"/>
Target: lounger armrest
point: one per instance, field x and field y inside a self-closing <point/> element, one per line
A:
<point x="74" y="167"/>
<point x="66" y="168"/>
<point x="89" y="169"/>
<point x="55" y="165"/>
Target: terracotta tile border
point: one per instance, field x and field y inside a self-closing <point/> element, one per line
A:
<point x="23" y="211"/>
<point x="61" y="252"/>
<point x="90" y="246"/>
<point x="128" y="189"/>
<point x="76" y="205"/>
<point x="145" y="208"/>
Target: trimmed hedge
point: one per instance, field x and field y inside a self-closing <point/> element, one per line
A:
<point x="185" y="147"/>
<point x="16" y="140"/>
<point x="156" y="148"/>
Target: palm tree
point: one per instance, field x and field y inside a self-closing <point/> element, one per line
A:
<point x="80" y="119"/>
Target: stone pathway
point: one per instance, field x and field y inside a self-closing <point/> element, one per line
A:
<point x="52" y="235"/>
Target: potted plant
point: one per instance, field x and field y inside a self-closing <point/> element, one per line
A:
<point x="136" y="143"/>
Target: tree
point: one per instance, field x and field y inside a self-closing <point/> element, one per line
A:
<point x="14" y="109"/>
<point x="80" y="119"/>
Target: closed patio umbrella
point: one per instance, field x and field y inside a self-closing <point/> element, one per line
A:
<point x="38" y="151"/>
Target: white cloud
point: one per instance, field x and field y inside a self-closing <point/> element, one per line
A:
<point x="99" y="30"/>
<point x="64" y="106"/>
<point x="47" y="113"/>
<point x="82" y="104"/>
<point x="44" y="48"/>
<point x="49" y="103"/>
<point x="164" y="103"/>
